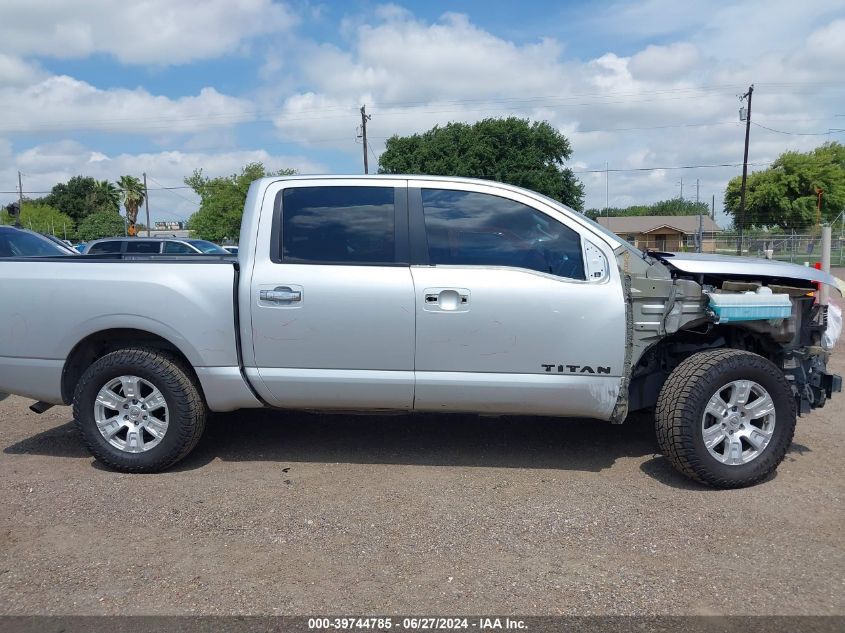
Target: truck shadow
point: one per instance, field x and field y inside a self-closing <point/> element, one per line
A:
<point x="422" y="440"/>
<point x="418" y="440"/>
<point x="425" y="440"/>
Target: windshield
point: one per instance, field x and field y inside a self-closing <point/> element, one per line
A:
<point x="26" y="244"/>
<point x="207" y="247"/>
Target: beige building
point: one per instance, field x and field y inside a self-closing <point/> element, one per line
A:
<point x="664" y="232"/>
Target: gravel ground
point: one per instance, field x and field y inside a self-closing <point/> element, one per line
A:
<point x="301" y="514"/>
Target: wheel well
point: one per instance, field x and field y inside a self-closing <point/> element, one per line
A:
<point x="97" y="345"/>
<point x="658" y="361"/>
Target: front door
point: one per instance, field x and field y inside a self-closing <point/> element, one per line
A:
<point x="507" y="319"/>
<point x="333" y="305"/>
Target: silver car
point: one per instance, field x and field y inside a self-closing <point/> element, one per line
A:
<point x="152" y="246"/>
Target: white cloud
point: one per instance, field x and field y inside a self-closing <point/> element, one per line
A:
<point x="161" y="32"/>
<point x="672" y="102"/>
<point x="664" y="62"/>
<point x="17" y="72"/>
<point x="63" y="103"/>
<point x="665" y="105"/>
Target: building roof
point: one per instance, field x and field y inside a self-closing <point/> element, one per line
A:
<point x="687" y="224"/>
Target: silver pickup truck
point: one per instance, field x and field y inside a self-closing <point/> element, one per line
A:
<point x="403" y="294"/>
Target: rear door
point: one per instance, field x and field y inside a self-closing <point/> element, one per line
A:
<point x="332" y="301"/>
<point x="518" y="309"/>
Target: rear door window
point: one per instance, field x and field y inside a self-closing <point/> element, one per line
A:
<point x="144" y="247"/>
<point x="338" y="225"/>
<point x="105" y="247"/>
<point x="178" y="248"/>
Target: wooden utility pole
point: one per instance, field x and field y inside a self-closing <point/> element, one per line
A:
<point x="147" y="203"/>
<point x="364" y="118"/>
<point x="700" y="218"/>
<point x="819" y="194"/>
<point x="747" y="95"/>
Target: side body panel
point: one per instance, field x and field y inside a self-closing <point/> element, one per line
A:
<point x="48" y="307"/>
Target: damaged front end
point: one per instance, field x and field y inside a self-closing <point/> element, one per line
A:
<point x="680" y="304"/>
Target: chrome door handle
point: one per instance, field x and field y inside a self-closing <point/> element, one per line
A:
<point x="281" y="294"/>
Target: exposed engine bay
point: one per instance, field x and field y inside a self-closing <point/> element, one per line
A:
<point x="680" y="304"/>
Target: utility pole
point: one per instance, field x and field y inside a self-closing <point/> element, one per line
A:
<point x="700" y="218"/>
<point x="606" y="188"/>
<point x="20" y="202"/>
<point x="747" y="95"/>
<point x="364" y="118"/>
<point x="146" y="203"/>
<point x="713" y="208"/>
<point x="819" y="194"/>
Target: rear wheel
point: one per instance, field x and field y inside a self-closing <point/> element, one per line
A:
<point x="726" y="418"/>
<point x="139" y="410"/>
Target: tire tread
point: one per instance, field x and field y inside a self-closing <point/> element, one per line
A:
<point x="677" y="408"/>
<point x="170" y="372"/>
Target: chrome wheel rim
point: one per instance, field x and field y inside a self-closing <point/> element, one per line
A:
<point x="738" y="422"/>
<point x="131" y="414"/>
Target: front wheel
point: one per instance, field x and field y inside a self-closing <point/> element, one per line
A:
<point x="139" y="410"/>
<point x="725" y="418"/>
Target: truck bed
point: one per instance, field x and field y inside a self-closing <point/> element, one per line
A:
<point x="48" y="305"/>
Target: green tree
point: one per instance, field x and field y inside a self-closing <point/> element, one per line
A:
<point x="222" y="201"/>
<point x="42" y="218"/>
<point x="132" y="195"/>
<point x="105" y="197"/>
<point x="510" y="150"/>
<point x="785" y="194"/>
<point x="101" y="224"/>
<point x="72" y="198"/>
<point x="674" y="206"/>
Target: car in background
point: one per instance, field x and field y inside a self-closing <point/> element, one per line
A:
<point x="16" y="242"/>
<point x="61" y="242"/>
<point x="231" y="248"/>
<point x="153" y="246"/>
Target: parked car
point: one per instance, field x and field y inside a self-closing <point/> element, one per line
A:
<point x="16" y="242"/>
<point x="388" y="293"/>
<point x="231" y="249"/>
<point x="153" y="245"/>
<point x="63" y="243"/>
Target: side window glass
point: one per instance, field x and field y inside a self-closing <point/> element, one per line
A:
<point x="143" y="247"/>
<point x="105" y="247"/>
<point x="478" y="229"/>
<point x="338" y="225"/>
<point x="177" y="247"/>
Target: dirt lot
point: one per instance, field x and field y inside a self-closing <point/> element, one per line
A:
<point x="438" y="515"/>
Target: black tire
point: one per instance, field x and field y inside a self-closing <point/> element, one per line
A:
<point x="681" y="406"/>
<point x="187" y="410"/>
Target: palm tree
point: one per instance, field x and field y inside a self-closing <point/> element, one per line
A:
<point x="106" y="196"/>
<point x="132" y="194"/>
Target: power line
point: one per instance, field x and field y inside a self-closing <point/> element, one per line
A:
<point x="830" y="131"/>
<point x="580" y="171"/>
<point x="178" y="195"/>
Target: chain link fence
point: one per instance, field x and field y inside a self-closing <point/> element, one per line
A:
<point x="793" y="247"/>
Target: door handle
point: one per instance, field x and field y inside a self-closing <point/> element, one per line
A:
<point x="281" y="294"/>
<point x="446" y="299"/>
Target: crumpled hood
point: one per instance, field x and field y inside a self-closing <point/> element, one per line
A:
<point x="709" y="264"/>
